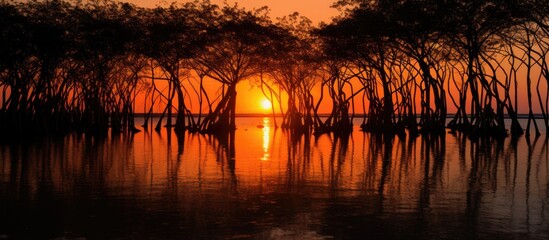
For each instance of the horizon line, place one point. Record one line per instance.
(356, 115)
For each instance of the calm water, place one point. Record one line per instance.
(158, 186)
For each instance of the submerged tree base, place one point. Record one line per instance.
(391, 130)
(477, 132)
(338, 129)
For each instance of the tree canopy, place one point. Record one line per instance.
(74, 66)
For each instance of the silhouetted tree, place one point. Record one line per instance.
(365, 38)
(175, 35)
(233, 55)
(472, 29)
(293, 68)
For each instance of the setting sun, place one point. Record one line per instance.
(266, 104)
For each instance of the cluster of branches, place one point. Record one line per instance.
(412, 56)
(69, 66)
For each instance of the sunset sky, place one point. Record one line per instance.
(316, 10)
(250, 99)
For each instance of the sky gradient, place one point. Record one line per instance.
(315, 10)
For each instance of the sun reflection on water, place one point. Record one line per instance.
(266, 139)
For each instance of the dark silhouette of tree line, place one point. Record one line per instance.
(412, 56)
(84, 67)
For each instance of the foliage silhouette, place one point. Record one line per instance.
(84, 67)
(458, 42)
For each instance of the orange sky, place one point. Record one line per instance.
(316, 10)
(250, 97)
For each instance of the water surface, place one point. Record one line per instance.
(272, 185)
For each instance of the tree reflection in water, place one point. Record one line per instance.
(264, 182)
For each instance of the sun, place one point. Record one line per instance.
(266, 104)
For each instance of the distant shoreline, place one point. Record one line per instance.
(244, 115)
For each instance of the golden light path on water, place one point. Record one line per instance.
(266, 139)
